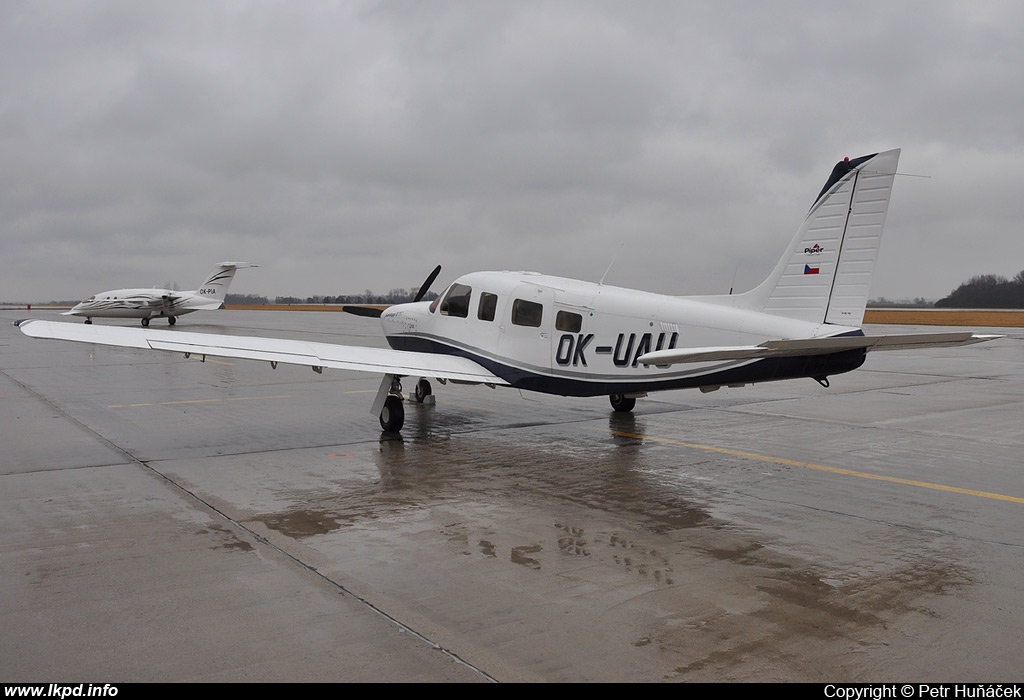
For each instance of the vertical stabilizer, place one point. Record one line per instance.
(215, 286)
(825, 275)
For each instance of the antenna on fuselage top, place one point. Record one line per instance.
(616, 257)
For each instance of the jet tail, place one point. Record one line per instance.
(825, 275)
(215, 285)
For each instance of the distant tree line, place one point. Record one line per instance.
(395, 296)
(882, 302)
(245, 299)
(987, 292)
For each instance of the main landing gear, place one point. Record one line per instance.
(392, 416)
(392, 412)
(171, 320)
(622, 403)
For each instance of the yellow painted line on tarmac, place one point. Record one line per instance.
(196, 401)
(821, 467)
(176, 403)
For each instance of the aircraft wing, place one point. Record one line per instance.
(296, 352)
(813, 346)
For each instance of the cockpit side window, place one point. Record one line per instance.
(527, 313)
(568, 321)
(488, 305)
(456, 301)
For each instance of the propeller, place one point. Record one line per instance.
(375, 313)
(426, 285)
(362, 311)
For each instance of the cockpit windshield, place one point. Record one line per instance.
(456, 301)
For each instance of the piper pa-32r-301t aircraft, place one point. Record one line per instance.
(147, 303)
(560, 336)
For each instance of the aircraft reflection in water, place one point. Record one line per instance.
(561, 336)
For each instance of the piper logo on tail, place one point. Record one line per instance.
(814, 250)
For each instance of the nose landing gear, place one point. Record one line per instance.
(423, 392)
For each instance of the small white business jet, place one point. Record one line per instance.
(560, 336)
(147, 303)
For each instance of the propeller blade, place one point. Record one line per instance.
(363, 311)
(359, 310)
(426, 285)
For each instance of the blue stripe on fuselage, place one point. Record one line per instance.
(764, 370)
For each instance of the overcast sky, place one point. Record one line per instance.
(347, 146)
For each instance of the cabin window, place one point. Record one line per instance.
(456, 301)
(488, 305)
(527, 313)
(568, 321)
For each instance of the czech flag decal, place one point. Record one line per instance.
(808, 270)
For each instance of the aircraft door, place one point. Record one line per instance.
(526, 329)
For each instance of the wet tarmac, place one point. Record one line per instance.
(165, 519)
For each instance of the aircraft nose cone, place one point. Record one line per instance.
(401, 318)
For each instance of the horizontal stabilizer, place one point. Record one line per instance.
(813, 346)
(296, 352)
(237, 265)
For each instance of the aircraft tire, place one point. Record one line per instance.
(622, 404)
(171, 320)
(145, 323)
(423, 390)
(88, 321)
(392, 416)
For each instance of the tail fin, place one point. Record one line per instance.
(825, 275)
(215, 286)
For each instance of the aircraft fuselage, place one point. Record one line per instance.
(575, 338)
(138, 303)
(146, 303)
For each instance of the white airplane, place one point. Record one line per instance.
(147, 303)
(561, 336)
